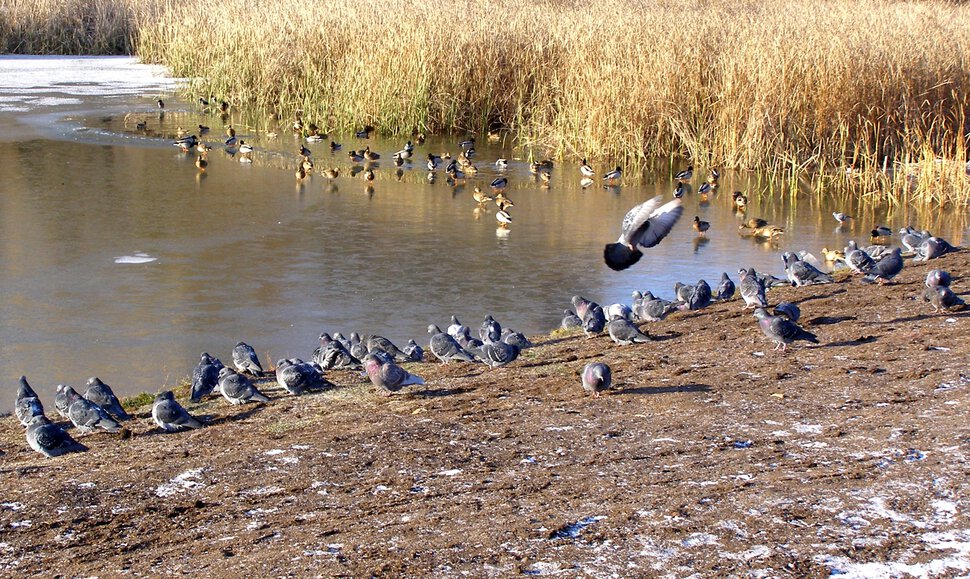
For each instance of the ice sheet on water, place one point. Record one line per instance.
(136, 258)
(572, 530)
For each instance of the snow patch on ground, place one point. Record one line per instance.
(187, 481)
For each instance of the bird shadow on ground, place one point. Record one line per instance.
(554, 341)
(829, 320)
(821, 296)
(232, 417)
(665, 337)
(857, 342)
(665, 389)
(920, 317)
(439, 392)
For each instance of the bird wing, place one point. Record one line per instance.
(650, 227)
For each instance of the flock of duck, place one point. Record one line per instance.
(644, 226)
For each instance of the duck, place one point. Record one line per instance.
(833, 255)
(230, 132)
(245, 148)
(679, 191)
(456, 174)
(467, 143)
(706, 188)
(880, 231)
(433, 161)
(161, 103)
(499, 183)
(355, 157)
(307, 164)
(202, 148)
(701, 227)
(501, 164)
(503, 218)
(613, 176)
(685, 175)
(369, 175)
(713, 176)
(187, 143)
(419, 138)
(231, 142)
(586, 170)
(331, 173)
(223, 106)
(304, 152)
(203, 129)
(201, 163)
(753, 223)
(141, 126)
(300, 173)
(502, 201)
(767, 232)
(740, 200)
(370, 155)
(545, 177)
(364, 133)
(334, 146)
(481, 197)
(841, 217)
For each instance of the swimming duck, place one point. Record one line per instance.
(203, 129)
(613, 175)
(545, 177)
(701, 227)
(713, 176)
(586, 170)
(419, 138)
(355, 156)
(706, 188)
(369, 175)
(685, 175)
(467, 143)
(304, 152)
(364, 133)
(433, 162)
(456, 174)
(881, 231)
(230, 132)
(501, 164)
(161, 103)
(502, 201)
(740, 200)
(334, 146)
(370, 155)
(245, 148)
(232, 142)
(300, 173)
(679, 191)
(499, 183)
(186, 143)
(753, 223)
(202, 148)
(141, 126)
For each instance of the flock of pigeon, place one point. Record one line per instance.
(644, 226)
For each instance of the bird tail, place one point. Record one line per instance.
(412, 379)
(259, 397)
(804, 335)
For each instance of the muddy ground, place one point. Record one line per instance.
(712, 455)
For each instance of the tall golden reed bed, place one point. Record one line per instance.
(876, 86)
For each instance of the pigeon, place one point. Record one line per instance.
(624, 333)
(886, 269)
(466, 340)
(943, 299)
(583, 306)
(683, 292)
(841, 217)
(911, 239)
(414, 351)
(445, 348)
(644, 225)
(339, 337)
(388, 377)
(382, 343)
(932, 248)
(725, 289)
(205, 378)
(938, 277)
(752, 289)
(858, 260)
(169, 414)
(615, 311)
(700, 298)
(358, 349)
(596, 378)
(101, 394)
(491, 331)
(497, 354)
(50, 439)
(455, 327)
(789, 310)
(28, 403)
(297, 377)
(245, 360)
(88, 416)
(516, 339)
(61, 400)
(570, 321)
(782, 330)
(801, 273)
(653, 309)
(332, 355)
(238, 389)
(595, 322)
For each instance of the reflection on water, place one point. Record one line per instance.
(121, 259)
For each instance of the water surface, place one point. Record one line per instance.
(120, 259)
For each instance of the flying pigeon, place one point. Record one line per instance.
(644, 225)
(388, 377)
(169, 414)
(102, 395)
(238, 389)
(28, 403)
(782, 330)
(50, 439)
(596, 378)
(245, 360)
(88, 416)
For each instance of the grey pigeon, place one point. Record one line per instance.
(615, 311)
(332, 355)
(781, 330)
(725, 289)
(595, 322)
(455, 327)
(50, 439)
(102, 395)
(938, 277)
(88, 416)
(583, 306)
(382, 343)
(624, 333)
(245, 360)
(683, 291)
(497, 354)
(910, 238)
(752, 289)
(61, 400)
(205, 378)
(358, 349)
(858, 260)
(597, 378)
(886, 268)
(653, 309)
(445, 348)
(789, 310)
(491, 331)
(943, 299)
(388, 377)
(28, 403)
(516, 339)
(466, 341)
(342, 340)
(169, 414)
(637, 296)
(802, 273)
(414, 351)
(645, 225)
(932, 248)
(297, 377)
(570, 321)
(700, 297)
(238, 389)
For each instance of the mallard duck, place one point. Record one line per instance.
(685, 175)
(203, 129)
(186, 143)
(223, 106)
(881, 231)
(419, 138)
(706, 188)
(369, 175)
(456, 174)
(740, 200)
(201, 163)
(613, 176)
(355, 157)
(494, 136)
(467, 143)
(701, 227)
(481, 197)
(679, 191)
(503, 218)
(202, 102)
(841, 217)
(300, 173)
(307, 164)
(767, 232)
(230, 132)
(753, 223)
(545, 177)
(245, 148)
(141, 126)
(161, 103)
(304, 152)
(586, 170)
(202, 148)
(232, 142)
(499, 183)
(501, 164)
(364, 133)
(502, 201)
(832, 254)
(370, 155)
(331, 173)
(713, 176)
(334, 146)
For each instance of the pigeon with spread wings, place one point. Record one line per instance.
(644, 225)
